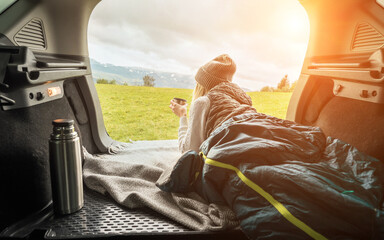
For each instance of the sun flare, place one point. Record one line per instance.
(295, 24)
(292, 21)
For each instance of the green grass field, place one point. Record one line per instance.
(142, 113)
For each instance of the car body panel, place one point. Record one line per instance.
(341, 86)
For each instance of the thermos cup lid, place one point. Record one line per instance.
(62, 122)
(180, 99)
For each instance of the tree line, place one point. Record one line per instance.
(282, 86)
(148, 81)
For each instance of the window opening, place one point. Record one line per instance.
(163, 43)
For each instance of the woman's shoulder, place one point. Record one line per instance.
(201, 102)
(201, 106)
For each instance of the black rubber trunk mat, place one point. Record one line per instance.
(101, 216)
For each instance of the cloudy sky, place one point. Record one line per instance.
(266, 38)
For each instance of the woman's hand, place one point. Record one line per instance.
(177, 109)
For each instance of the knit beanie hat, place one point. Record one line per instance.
(218, 70)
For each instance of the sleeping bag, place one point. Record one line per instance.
(284, 180)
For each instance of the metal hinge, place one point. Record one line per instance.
(4, 101)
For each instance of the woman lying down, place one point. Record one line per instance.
(282, 179)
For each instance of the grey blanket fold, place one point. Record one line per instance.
(129, 176)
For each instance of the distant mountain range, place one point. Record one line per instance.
(133, 76)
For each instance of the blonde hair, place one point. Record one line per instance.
(198, 91)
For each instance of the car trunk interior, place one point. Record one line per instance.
(43, 45)
(341, 84)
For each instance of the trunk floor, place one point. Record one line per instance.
(101, 216)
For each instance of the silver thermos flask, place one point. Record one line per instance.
(66, 170)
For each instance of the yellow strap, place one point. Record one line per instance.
(280, 207)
